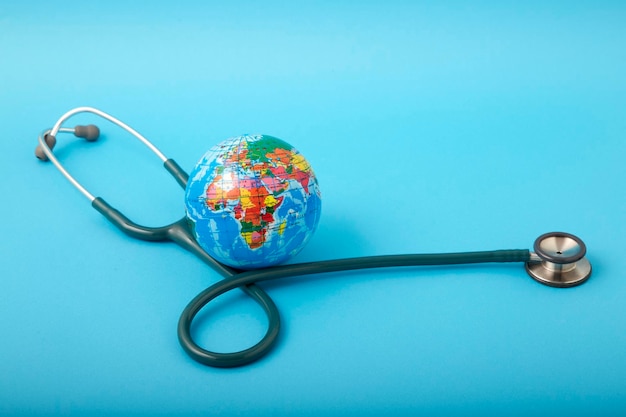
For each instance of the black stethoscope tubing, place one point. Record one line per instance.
(179, 233)
(248, 279)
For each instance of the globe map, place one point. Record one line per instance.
(253, 201)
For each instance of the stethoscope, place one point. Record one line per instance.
(558, 259)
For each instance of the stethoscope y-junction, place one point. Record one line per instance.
(558, 259)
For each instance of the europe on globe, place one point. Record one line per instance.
(253, 201)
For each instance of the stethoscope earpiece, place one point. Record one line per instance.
(90, 133)
(51, 141)
(559, 260)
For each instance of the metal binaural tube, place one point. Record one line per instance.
(139, 136)
(89, 135)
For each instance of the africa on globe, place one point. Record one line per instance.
(253, 201)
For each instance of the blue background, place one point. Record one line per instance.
(432, 126)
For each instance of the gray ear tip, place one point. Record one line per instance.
(50, 141)
(39, 154)
(89, 132)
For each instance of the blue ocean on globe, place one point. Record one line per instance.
(253, 201)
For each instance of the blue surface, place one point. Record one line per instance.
(431, 127)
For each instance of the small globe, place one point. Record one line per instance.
(253, 201)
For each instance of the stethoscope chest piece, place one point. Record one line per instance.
(560, 260)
